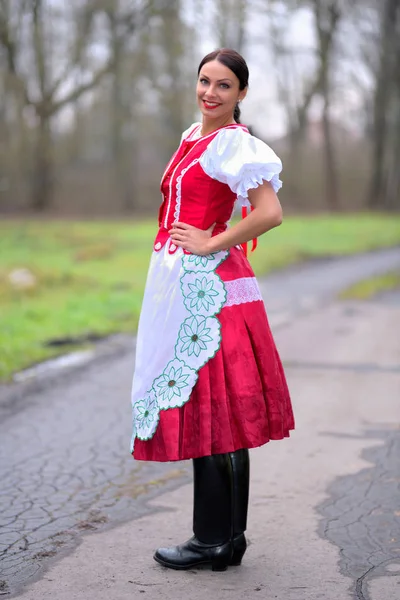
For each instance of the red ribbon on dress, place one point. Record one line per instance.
(244, 245)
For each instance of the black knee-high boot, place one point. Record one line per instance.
(241, 476)
(212, 518)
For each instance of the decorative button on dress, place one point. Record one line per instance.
(208, 378)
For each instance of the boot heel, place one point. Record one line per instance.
(218, 564)
(236, 559)
(239, 548)
(222, 558)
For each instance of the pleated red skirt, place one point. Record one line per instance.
(241, 398)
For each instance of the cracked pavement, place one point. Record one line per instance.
(362, 514)
(65, 467)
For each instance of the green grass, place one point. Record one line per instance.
(90, 276)
(367, 288)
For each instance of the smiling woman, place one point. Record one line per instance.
(208, 382)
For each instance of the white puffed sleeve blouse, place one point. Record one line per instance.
(240, 160)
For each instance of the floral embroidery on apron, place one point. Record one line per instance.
(199, 339)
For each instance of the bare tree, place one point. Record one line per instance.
(327, 15)
(384, 181)
(171, 72)
(231, 23)
(125, 22)
(43, 87)
(392, 195)
(95, 93)
(39, 87)
(297, 92)
(171, 82)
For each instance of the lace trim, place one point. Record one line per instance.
(241, 291)
(179, 188)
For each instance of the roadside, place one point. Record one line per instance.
(381, 284)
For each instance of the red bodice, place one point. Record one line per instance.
(190, 195)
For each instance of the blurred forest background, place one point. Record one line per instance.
(94, 95)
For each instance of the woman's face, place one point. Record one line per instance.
(218, 90)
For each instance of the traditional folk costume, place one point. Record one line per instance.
(208, 382)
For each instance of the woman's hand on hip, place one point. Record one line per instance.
(192, 239)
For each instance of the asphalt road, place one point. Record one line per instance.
(65, 467)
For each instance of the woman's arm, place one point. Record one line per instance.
(266, 215)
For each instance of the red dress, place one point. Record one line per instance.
(208, 378)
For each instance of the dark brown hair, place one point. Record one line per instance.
(236, 63)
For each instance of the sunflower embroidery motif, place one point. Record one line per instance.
(146, 415)
(173, 386)
(203, 293)
(199, 339)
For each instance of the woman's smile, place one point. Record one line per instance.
(210, 105)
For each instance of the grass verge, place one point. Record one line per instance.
(63, 282)
(368, 288)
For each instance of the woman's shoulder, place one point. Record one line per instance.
(238, 144)
(190, 130)
(241, 139)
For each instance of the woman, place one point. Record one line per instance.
(208, 382)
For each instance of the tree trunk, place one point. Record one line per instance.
(331, 173)
(240, 22)
(299, 124)
(122, 174)
(327, 19)
(392, 188)
(381, 105)
(173, 97)
(392, 195)
(42, 184)
(231, 23)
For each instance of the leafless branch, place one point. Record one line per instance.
(76, 93)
